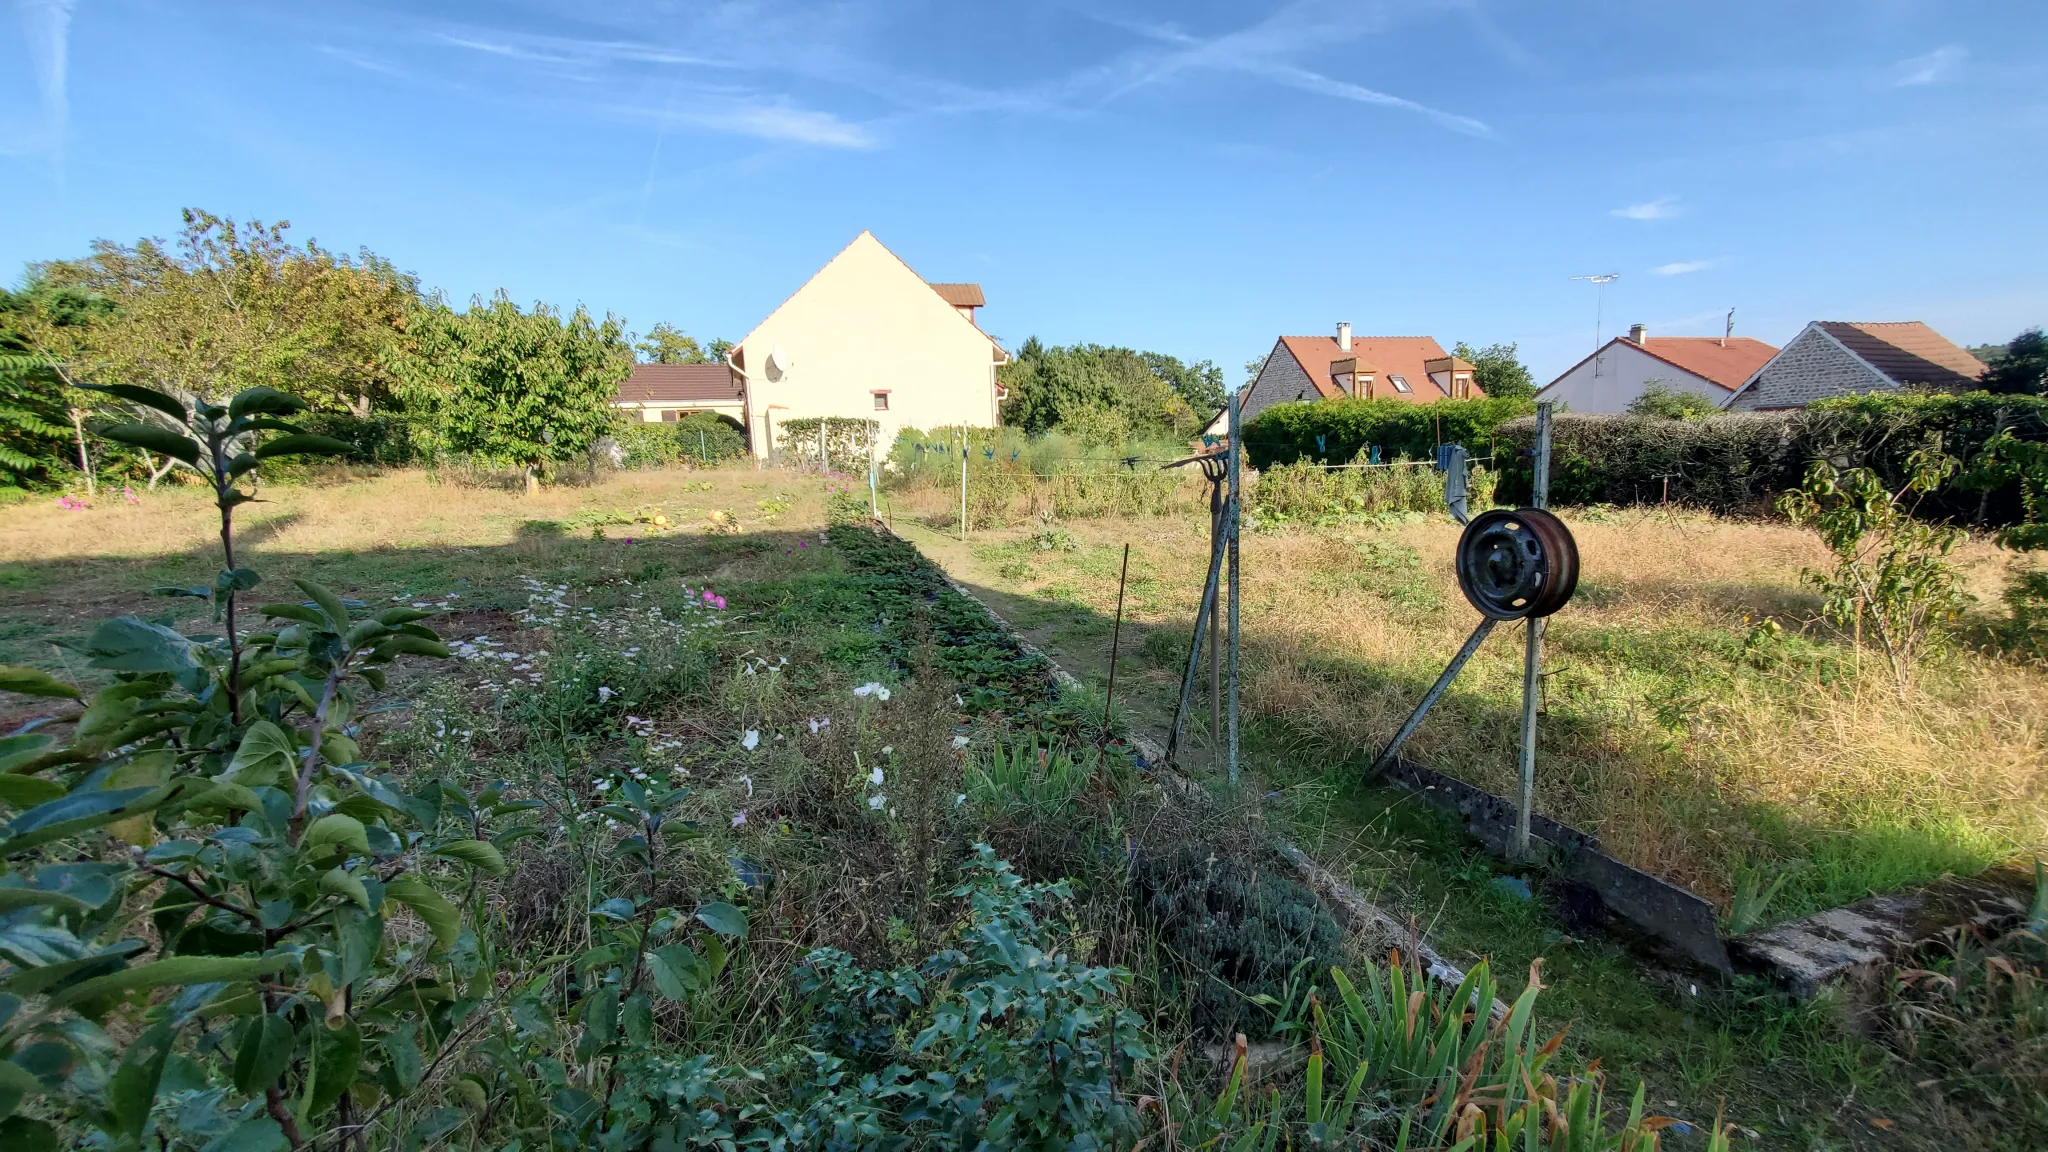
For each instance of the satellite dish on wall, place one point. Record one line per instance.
(778, 364)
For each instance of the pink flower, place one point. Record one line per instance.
(130, 494)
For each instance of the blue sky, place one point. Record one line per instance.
(1189, 177)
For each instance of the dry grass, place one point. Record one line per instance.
(407, 509)
(1690, 754)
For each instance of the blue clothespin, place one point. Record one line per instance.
(1013, 454)
(988, 453)
(1321, 448)
(1208, 441)
(1372, 455)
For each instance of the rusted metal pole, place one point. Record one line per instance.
(1532, 656)
(1115, 638)
(1435, 693)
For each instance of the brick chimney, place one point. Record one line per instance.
(1344, 335)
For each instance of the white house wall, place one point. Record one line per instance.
(866, 322)
(1617, 376)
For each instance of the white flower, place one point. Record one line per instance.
(959, 741)
(739, 818)
(881, 692)
(875, 802)
(875, 774)
(866, 689)
(749, 782)
(604, 785)
(886, 749)
(892, 813)
(825, 722)
(959, 799)
(604, 694)
(751, 740)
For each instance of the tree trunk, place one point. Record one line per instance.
(84, 458)
(532, 481)
(361, 408)
(156, 473)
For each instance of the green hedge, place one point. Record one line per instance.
(1287, 433)
(1740, 462)
(693, 438)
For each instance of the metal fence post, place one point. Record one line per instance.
(1532, 657)
(1233, 514)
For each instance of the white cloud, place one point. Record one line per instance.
(1662, 208)
(1930, 68)
(46, 26)
(1260, 50)
(1681, 267)
(781, 122)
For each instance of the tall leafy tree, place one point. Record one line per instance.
(2023, 368)
(233, 306)
(1107, 394)
(1498, 371)
(43, 332)
(667, 344)
(528, 389)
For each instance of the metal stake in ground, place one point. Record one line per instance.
(1115, 638)
(1233, 515)
(1532, 657)
(963, 485)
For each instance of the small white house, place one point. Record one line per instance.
(1614, 376)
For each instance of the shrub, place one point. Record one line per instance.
(1240, 932)
(1305, 491)
(1741, 461)
(1338, 430)
(695, 437)
(844, 439)
(1891, 571)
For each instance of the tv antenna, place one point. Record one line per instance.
(1601, 280)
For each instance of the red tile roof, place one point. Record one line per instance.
(962, 295)
(1704, 356)
(679, 384)
(1909, 352)
(1402, 356)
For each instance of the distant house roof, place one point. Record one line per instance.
(1405, 356)
(679, 384)
(962, 295)
(1908, 352)
(1704, 356)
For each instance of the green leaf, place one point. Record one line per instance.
(330, 604)
(178, 970)
(77, 812)
(335, 828)
(235, 580)
(265, 753)
(303, 444)
(476, 853)
(261, 400)
(35, 682)
(21, 1134)
(16, 898)
(337, 1054)
(415, 893)
(147, 397)
(132, 1088)
(723, 918)
(256, 1134)
(337, 882)
(403, 645)
(15, 1083)
(298, 612)
(18, 750)
(263, 1047)
(19, 791)
(127, 644)
(674, 969)
(393, 617)
(154, 439)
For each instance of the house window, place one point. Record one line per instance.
(881, 401)
(670, 415)
(1400, 383)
